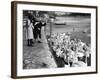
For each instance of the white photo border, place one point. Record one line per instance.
(54, 71)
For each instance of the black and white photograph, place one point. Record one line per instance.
(53, 39)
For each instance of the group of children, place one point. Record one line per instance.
(72, 51)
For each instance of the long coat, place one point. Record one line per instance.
(29, 30)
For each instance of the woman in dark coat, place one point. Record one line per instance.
(37, 30)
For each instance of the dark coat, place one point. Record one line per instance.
(38, 25)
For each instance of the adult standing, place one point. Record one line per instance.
(29, 33)
(37, 30)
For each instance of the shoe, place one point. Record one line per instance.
(39, 42)
(31, 45)
(32, 42)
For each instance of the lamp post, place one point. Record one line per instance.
(51, 24)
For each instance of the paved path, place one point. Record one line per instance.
(38, 56)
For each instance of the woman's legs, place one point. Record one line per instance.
(35, 35)
(30, 42)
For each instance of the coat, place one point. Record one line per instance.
(29, 31)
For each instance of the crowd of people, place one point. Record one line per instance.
(33, 30)
(74, 52)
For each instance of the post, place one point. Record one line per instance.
(51, 23)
